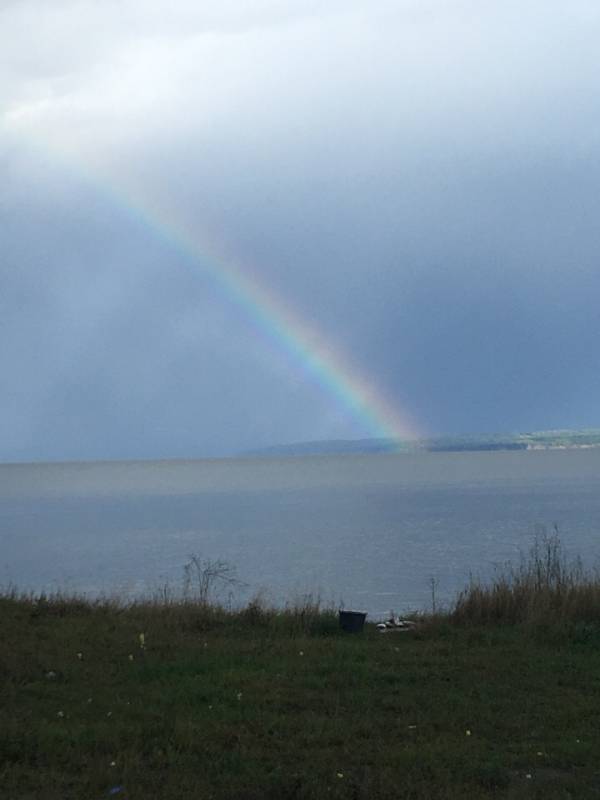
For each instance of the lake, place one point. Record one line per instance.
(366, 531)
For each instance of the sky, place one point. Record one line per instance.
(229, 225)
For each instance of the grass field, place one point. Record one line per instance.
(271, 704)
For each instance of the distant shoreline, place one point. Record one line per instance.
(538, 440)
(588, 439)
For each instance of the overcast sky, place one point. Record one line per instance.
(417, 180)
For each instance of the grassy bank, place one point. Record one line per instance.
(266, 704)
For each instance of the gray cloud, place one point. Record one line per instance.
(416, 180)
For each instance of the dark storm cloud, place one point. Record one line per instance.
(114, 344)
(418, 181)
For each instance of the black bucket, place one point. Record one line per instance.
(352, 621)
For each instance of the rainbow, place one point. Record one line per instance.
(307, 350)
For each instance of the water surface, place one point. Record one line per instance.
(369, 531)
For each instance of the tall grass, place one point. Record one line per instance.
(188, 615)
(545, 588)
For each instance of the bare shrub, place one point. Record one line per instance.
(203, 578)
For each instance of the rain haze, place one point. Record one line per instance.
(208, 207)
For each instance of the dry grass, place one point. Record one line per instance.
(545, 588)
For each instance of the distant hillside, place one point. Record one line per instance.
(537, 440)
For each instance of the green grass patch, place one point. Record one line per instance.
(281, 704)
